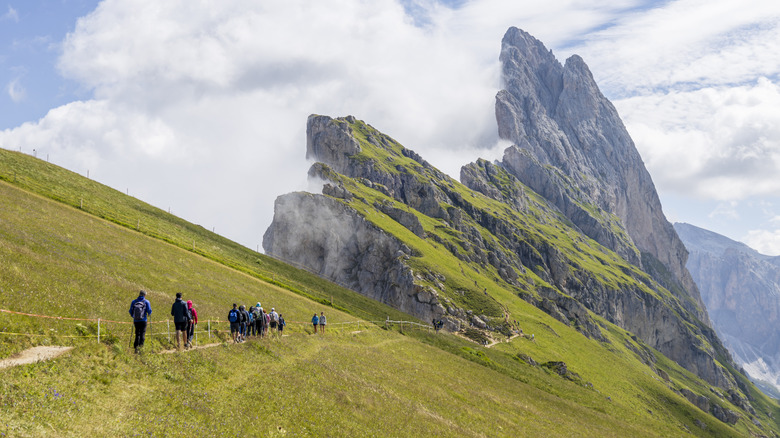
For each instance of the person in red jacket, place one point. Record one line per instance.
(193, 322)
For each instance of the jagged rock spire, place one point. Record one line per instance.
(556, 116)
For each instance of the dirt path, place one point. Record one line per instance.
(32, 355)
(197, 347)
(500, 341)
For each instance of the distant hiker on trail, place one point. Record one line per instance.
(281, 324)
(267, 322)
(139, 309)
(274, 318)
(250, 324)
(242, 313)
(315, 321)
(234, 318)
(260, 320)
(323, 322)
(193, 322)
(253, 320)
(181, 319)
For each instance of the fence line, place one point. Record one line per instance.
(167, 332)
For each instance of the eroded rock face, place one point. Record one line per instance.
(334, 241)
(741, 289)
(567, 154)
(558, 115)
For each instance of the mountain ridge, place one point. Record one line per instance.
(741, 289)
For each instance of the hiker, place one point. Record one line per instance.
(315, 321)
(139, 309)
(250, 322)
(323, 321)
(253, 323)
(281, 324)
(243, 318)
(267, 317)
(193, 322)
(234, 319)
(274, 318)
(259, 320)
(181, 319)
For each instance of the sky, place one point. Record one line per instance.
(200, 107)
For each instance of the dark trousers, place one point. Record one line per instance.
(140, 333)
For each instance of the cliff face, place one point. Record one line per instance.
(741, 289)
(336, 242)
(512, 235)
(569, 221)
(572, 148)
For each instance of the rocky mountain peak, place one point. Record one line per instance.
(580, 156)
(330, 142)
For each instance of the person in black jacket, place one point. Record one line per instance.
(244, 320)
(181, 319)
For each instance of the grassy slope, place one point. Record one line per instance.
(55, 259)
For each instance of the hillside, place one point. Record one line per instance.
(741, 289)
(64, 261)
(568, 223)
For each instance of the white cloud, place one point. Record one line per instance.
(16, 90)
(11, 14)
(716, 143)
(203, 105)
(684, 45)
(764, 241)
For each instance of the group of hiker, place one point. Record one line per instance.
(320, 321)
(185, 318)
(254, 321)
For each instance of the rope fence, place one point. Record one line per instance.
(211, 326)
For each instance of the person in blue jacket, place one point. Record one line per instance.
(315, 321)
(140, 308)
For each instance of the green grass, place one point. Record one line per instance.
(98, 200)
(59, 260)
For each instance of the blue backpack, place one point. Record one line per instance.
(233, 315)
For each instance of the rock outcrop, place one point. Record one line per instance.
(569, 221)
(741, 289)
(572, 148)
(335, 242)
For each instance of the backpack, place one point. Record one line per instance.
(233, 315)
(139, 310)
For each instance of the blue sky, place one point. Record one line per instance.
(30, 34)
(201, 107)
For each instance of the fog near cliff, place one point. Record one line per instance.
(201, 107)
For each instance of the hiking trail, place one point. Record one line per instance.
(34, 354)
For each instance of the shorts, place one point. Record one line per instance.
(181, 326)
(273, 324)
(233, 327)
